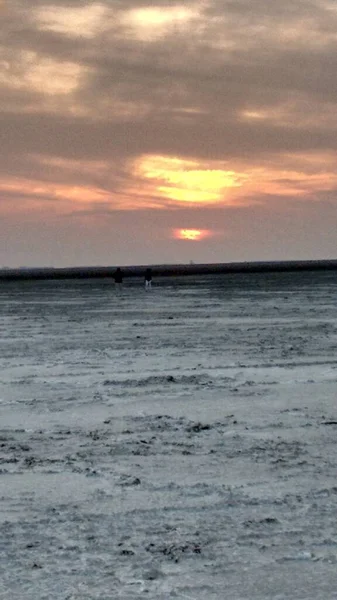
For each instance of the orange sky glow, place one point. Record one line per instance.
(197, 113)
(161, 181)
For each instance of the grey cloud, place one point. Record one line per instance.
(149, 72)
(266, 14)
(156, 82)
(204, 138)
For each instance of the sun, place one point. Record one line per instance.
(194, 235)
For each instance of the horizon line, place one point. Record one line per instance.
(165, 270)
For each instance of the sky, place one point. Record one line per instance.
(167, 132)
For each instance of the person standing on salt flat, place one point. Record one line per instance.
(148, 278)
(118, 277)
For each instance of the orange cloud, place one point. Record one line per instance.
(163, 180)
(183, 180)
(36, 194)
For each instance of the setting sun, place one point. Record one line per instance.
(194, 235)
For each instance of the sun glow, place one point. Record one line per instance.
(187, 180)
(194, 235)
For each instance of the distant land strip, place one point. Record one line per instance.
(26, 273)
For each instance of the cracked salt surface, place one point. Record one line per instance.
(179, 443)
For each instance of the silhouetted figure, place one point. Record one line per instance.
(118, 277)
(148, 279)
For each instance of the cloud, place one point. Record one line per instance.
(78, 21)
(234, 100)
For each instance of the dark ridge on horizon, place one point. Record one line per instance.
(174, 270)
